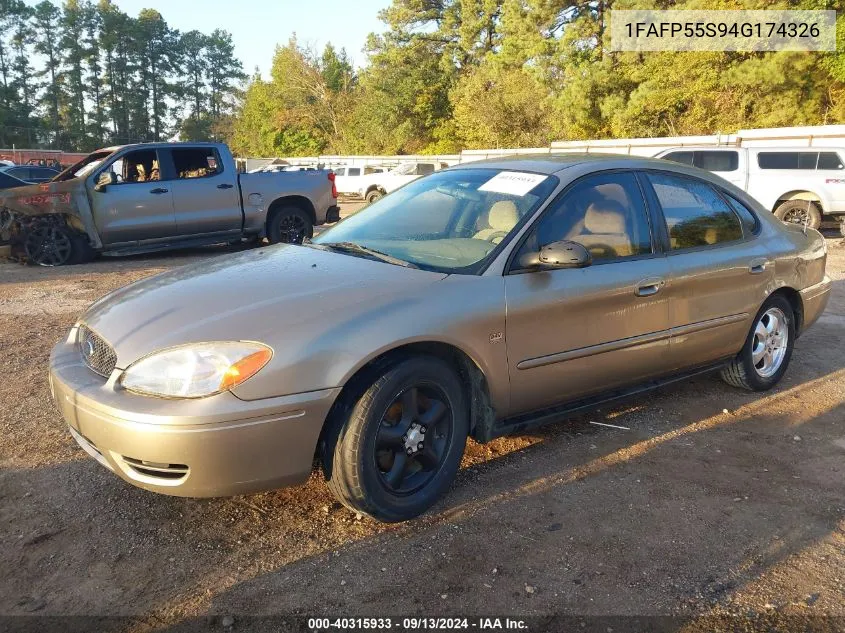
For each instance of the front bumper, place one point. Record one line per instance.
(211, 447)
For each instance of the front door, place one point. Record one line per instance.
(575, 332)
(719, 271)
(206, 197)
(139, 206)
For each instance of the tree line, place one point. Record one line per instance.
(452, 74)
(81, 75)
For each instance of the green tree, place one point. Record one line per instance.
(47, 43)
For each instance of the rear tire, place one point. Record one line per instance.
(799, 211)
(767, 350)
(289, 225)
(401, 444)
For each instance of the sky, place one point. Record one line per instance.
(258, 25)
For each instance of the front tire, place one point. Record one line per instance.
(289, 225)
(48, 244)
(375, 194)
(800, 212)
(767, 350)
(401, 445)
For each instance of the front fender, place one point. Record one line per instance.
(465, 312)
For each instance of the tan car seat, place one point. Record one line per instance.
(501, 218)
(604, 226)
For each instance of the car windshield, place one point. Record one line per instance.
(451, 221)
(404, 170)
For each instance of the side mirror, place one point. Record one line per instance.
(106, 178)
(563, 254)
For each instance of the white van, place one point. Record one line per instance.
(798, 184)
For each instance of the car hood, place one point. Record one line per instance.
(263, 295)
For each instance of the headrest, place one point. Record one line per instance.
(503, 215)
(607, 216)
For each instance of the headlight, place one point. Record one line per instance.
(196, 371)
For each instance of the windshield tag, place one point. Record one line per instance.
(516, 183)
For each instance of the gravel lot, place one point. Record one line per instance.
(714, 504)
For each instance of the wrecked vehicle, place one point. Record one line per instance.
(155, 196)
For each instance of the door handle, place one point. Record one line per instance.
(159, 190)
(225, 185)
(649, 287)
(757, 266)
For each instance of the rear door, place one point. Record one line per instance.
(574, 332)
(206, 198)
(719, 271)
(139, 206)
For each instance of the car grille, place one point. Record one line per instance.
(96, 353)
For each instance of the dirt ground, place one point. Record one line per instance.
(713, 503)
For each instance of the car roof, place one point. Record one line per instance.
(554, 163)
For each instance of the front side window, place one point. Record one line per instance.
(424, 169)
(354, 171)
(450, 221)
(196, 162)
(604, 213)
(135, 167)
(695, 214)
(685, 158)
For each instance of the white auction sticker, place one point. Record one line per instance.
(516, 183)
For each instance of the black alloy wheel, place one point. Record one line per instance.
(412, 438)
(48, 245)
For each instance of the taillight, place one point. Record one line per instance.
(334, 186)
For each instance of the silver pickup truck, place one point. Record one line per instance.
(154, 196)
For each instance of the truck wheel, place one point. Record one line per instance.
(799, 212)
(374, 195)
(56, 245)
(400, 446)
(289, 225)
(767, 350)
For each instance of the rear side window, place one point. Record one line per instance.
(424, 169)
(830, 160)
(695, 214)
(354, 171)
(799, 160)
(196, 162)
(749, 220)
(717, 161)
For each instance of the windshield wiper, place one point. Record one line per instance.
(352, 247)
